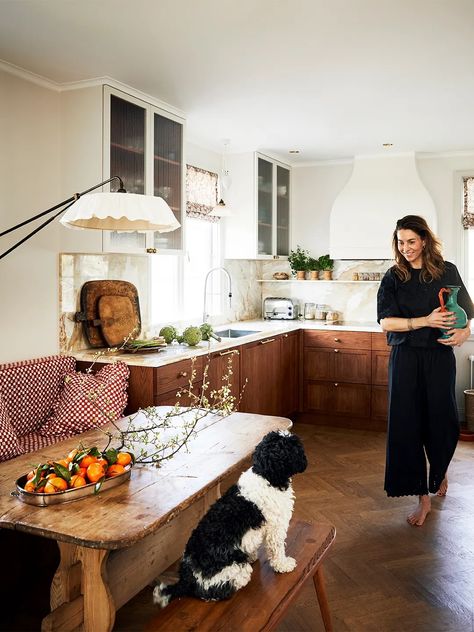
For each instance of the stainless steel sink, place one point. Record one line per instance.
(235, 333)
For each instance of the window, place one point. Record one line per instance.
(178, 282)
(468, 224)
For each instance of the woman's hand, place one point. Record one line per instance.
(441, 320)
(457, 337)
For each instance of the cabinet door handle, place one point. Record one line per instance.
(232, 351)
(336, 384)
(336, 350)
(337, 340)
(285, 335)
(265, 342)
(183, 374)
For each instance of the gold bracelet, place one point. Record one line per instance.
(409, 324)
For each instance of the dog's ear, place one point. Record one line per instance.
(278, 457)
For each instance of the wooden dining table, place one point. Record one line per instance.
(116, 542)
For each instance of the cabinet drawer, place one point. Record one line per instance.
(340, 339)
(176, 375)
(379, 342)
(338, 398)
(171, 398)
(345, 365)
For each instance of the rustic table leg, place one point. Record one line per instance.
(320, 586)
(99, 607)
(65, 598)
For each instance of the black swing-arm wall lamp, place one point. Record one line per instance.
(105, 211)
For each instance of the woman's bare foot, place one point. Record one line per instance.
(443, 488)
(417, 518)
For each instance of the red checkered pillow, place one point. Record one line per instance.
(87, 400)
(9, 444)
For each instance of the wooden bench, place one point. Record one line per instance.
(262, 604)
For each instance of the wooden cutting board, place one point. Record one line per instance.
(110, 311)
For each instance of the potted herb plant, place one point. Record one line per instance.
(326, 265)
(298, 260)
(313, 267)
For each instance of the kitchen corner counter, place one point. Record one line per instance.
(176, 352)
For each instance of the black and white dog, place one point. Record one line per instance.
(218, 556)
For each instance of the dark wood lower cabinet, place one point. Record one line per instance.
(290, 374)
(346, 399)
(220, 365)
(260, 377)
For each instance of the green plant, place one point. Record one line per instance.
(325, 263)
(313, 264)
(298, 259)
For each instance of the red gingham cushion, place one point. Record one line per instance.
(88, 400)
(30, 387)
(9, 444)
(35, 441)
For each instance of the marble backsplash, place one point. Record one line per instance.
(355, 301)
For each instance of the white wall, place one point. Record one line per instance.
(29, 183)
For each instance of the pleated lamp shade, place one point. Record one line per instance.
(120, 211)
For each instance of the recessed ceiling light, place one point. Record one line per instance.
(387, 145)
(294, 151)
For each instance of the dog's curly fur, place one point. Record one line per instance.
(218, 556)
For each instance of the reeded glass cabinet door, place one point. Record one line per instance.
(282, 211)
(264, 206)
(127, 160)
(167, 175)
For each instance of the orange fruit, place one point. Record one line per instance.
(40, 490)
(82, 472)
(30, 475)
(87, 460)
(78, 481)
(54, 485)
(103, 462)
(95, 471)
(63, 462)
(124, 458)
(115, 470)
(72, 454)
(29, 487)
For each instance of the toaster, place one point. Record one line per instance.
(275, 308)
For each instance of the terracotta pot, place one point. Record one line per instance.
(327, 275)
(300, 274)
(314, 275)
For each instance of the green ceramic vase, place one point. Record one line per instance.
(452, 305)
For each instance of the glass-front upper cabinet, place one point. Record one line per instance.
(144, 146)
(273, 208)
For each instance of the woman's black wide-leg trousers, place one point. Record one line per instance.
(422, 421)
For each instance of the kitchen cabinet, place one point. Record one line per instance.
(337, 378)
(380, 360)
(289, 369)
(260, 377)
(259, 198)
(144, 145)
(220, 363)
(106, 132)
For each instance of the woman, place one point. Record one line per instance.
(422, 369)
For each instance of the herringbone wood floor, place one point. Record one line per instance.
(382, 575)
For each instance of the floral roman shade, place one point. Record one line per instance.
(201, 193)
(468, 205)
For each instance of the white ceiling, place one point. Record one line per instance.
(333, 78)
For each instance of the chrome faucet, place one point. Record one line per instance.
(205, 314)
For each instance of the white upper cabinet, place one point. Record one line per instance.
(107, 132)
(144, 146)
(259, 200)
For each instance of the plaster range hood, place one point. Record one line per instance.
(381, 190)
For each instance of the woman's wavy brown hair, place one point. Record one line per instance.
(433, 262)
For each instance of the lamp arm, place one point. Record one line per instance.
(69, 202)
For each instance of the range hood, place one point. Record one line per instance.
(380, 190)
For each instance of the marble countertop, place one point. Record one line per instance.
(262, 328)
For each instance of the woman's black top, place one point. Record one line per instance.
(415, 298)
